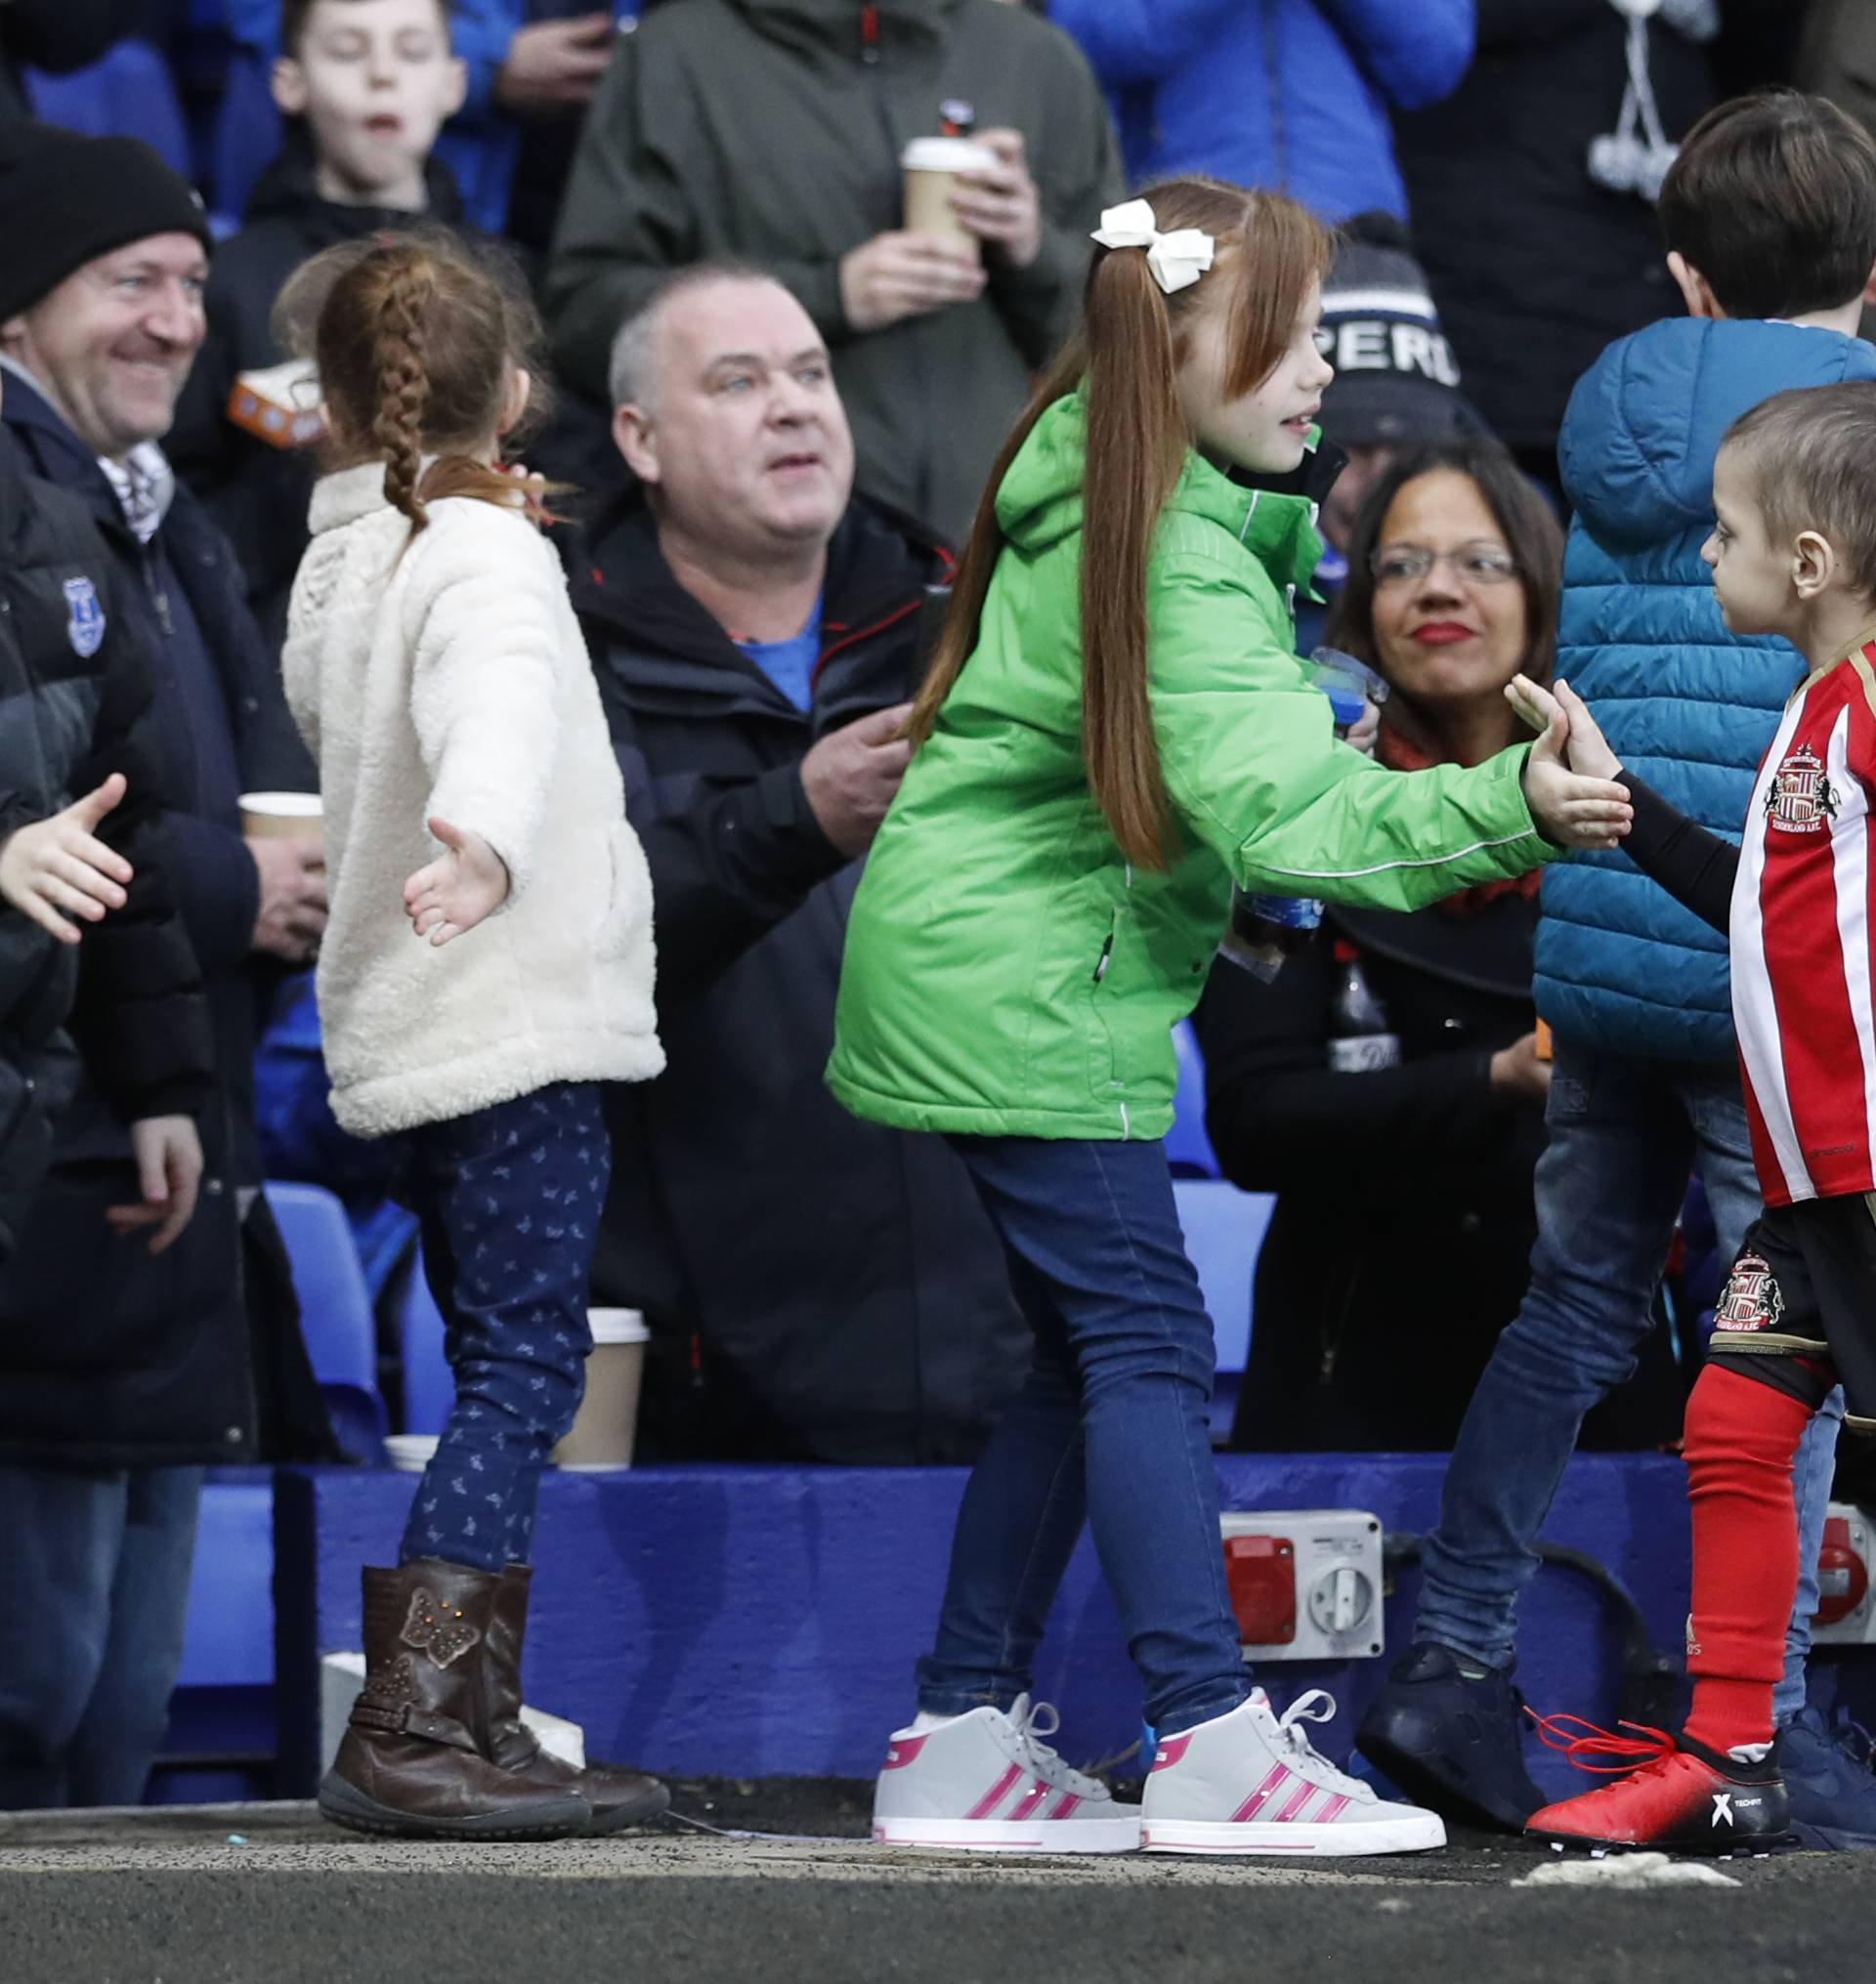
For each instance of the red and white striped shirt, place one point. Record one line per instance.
(1801, 932)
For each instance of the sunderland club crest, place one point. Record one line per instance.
(1752, 1300)
(1801, 798)
(84, 618)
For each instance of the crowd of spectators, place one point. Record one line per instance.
(705, 193)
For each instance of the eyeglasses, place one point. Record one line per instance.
(1471, 564)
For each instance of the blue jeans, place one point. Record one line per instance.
(94, 1587)
(1109, 1428)
(508, 1201)
(1624, 1135)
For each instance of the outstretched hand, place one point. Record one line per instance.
(57, 868)
(1570, 809)
(1588, 750)
(467, 883)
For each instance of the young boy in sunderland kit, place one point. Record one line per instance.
(366, 86)
(1769, 218)
(1793, 552)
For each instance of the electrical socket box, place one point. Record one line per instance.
(1305, 1585)
(1847, 1578)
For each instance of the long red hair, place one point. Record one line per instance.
(1269, 255)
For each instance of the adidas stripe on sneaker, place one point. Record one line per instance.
(987, 1782)
(1251, 1782)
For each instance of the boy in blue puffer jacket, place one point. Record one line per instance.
(1770, 216)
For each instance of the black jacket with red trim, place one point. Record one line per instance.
(819, 1288)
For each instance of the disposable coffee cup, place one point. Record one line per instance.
(931, 168)
(606, 1425)
(281, 816)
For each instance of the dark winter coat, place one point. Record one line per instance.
(1401, 1240)
(846, 1293)
(1535, 268)
(74, 709)
(106, 1357)
(259, 495)
(770, 131)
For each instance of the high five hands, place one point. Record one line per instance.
(1570, 776)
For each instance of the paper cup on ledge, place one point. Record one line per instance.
(604, 1430)
(281, 816)
(931, 167)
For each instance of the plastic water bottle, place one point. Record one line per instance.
(1362, 1034)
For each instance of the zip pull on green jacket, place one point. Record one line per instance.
(1007, 973)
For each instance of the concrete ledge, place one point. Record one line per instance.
(757, 1621)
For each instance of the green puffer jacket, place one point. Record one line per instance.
(1007, 973)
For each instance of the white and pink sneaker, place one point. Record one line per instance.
(1252, 1783)
(985, 1782)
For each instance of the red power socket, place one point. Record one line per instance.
(1260, 1574)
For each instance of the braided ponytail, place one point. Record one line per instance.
(417, 338)
(403, 388)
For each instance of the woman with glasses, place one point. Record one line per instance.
(1387, 1084)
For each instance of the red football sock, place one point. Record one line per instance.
(1741, 1438)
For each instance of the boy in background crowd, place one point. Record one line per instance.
(366, 85)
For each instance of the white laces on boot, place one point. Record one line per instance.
(1288, 1737)
(1026, 1718)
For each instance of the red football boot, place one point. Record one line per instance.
(1683, 1797)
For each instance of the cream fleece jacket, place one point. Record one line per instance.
(443, 674)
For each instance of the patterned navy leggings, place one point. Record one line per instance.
(509, 1200)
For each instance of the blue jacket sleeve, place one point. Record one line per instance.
(1414, 55)
(1138, 41)
(481, 31)
(254, 23)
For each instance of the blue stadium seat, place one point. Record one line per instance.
(1188, 1150)
(1225, 1231)
(127, 93)
(247, 131)
(335, 1309)
(429, 1386)
(228, 1641)
(221, 1735)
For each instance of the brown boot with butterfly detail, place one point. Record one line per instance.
(418, 1759)
(618, 1798)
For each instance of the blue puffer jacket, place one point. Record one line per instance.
(1620, 965)
(1289, 94)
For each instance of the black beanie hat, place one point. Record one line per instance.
(65, 200)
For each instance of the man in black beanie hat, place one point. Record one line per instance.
(120, 1375)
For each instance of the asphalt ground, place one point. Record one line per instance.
(268, 1894)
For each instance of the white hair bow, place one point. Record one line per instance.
(1176, 259)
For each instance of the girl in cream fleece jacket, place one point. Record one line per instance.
(486, 964)
(443, 684)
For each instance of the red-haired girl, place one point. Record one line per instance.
(1114, 733)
